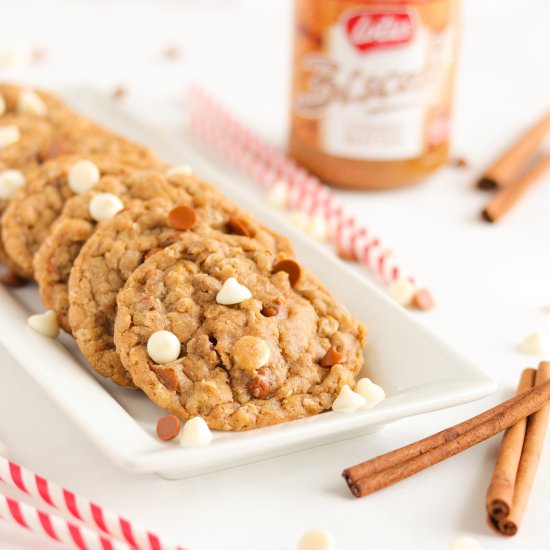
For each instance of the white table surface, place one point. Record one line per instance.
(492, 283)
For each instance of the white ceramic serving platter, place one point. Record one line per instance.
(419, 372)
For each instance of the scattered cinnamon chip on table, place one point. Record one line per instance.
(172, 52)
(423, 300)
(12, 280)
(119, 92)
(168, 427)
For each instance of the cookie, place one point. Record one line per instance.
(32, 102)
(280, 355)
(55, 257)
(33, 208)
(23, 142)
(120, 245)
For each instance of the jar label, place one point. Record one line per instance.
(379, 89)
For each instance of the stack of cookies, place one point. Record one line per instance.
(166, 285)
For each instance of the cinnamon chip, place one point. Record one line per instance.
(347, 254)
(423, 300)
(332, 357)
(151, 252)
(12, 280)
(119, 92)
(182, 217)
(237, 226)
(269, 311)
(168, 377)
(56, 150)
(259, 386)
(291, 267)
(168, 427)
(171, 52)
(52, 270)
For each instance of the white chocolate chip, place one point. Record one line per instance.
(10, 182)
(299, 220)
(534, 344)
(30, 103)
(3, 449)
(105, 206)
(465, 543)
(278, 195)
(319, 539)
(83, 175)
(196, 433)
(163, 346)
(9, 135)
(180, 170)
(317, 228)
(232, 292)
(18, 57)
(45, 323)
(348, 400)
(2, 105)
(402, 291)
(250, 353)
(372, 392)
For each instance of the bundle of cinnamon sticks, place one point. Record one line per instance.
(516, 170)
(525, 418)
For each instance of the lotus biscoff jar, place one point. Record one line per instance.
(372, 89)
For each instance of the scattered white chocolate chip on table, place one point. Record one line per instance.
(278, 195)
(299, 219)
(465, 543)
(250, 353)
(163, 346)
(372, 392)
(2, 105)
(402, 291)
(348, 400)
(196, 433)
(180, 170)
(534, 344)
(105, 206)
(9, 135)
(317, 228)
(10, 181)
(45, 323)
(83, 175)
(30, 103)
(318, 539)
(232, 292)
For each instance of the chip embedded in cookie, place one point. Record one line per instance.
(238, 368)
(121, 244)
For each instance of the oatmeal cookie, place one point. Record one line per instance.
(55, 257)
(282, 354)
(120, 245)
(23, 142)
(33, 208)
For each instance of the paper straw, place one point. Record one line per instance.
(55, 527)
(214, 125)
(80, 508)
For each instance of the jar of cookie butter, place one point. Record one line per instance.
(372, 89)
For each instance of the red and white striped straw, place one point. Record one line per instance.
(80, 508)
(220, 130)
(55, 527)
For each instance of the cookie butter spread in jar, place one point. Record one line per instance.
(372, 89)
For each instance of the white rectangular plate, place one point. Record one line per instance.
(419, 372)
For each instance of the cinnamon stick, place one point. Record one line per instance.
(528, 464)
(418, 448)
(508, 166)
(501, 488)
(500, 418)
(503, 201)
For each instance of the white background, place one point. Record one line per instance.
(492, 283)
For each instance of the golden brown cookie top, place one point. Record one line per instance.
(238, 368)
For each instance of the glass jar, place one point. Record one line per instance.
(372, 89)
